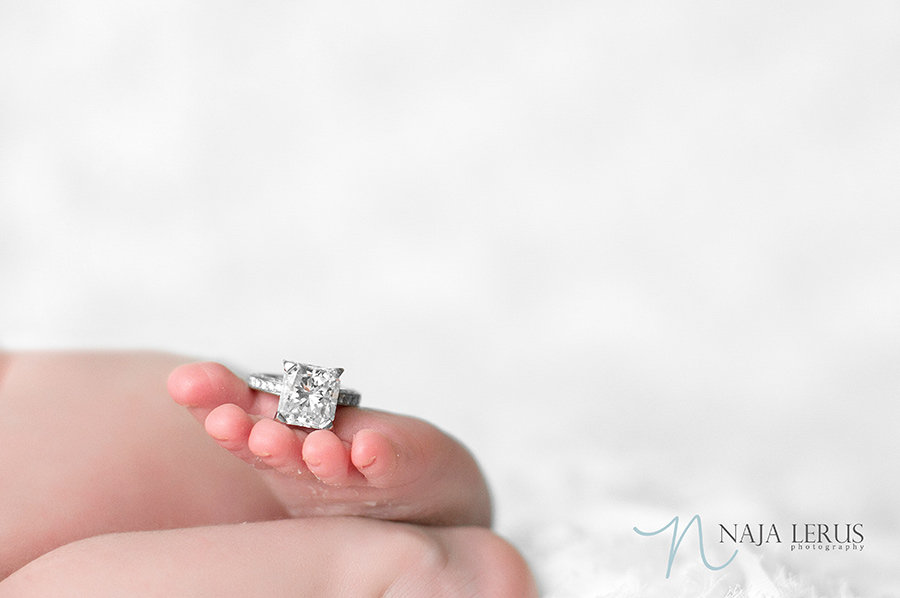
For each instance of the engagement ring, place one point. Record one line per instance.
(308, 395)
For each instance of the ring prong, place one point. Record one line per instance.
(290, 366)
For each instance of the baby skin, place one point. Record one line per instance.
(109, 488)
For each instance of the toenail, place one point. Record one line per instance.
(371, 461)
(312, 462)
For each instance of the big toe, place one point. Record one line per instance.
(201, 387)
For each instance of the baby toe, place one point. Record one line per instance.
(375, 456)
(207, 385)
(328, 458)
(230, 426)
(277, 446)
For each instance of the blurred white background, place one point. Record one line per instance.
(644, 259)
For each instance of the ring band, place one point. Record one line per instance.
(308, 395)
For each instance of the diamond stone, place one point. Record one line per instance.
(309, 395)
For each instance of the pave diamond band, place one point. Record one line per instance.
(308, 395)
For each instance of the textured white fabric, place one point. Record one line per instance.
(643, 258)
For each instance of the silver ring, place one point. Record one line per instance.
(308, 395)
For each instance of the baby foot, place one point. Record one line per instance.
(371, 463)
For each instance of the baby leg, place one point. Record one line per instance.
(320, 557)
(90, 443)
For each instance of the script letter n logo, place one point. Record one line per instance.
(676, 542)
